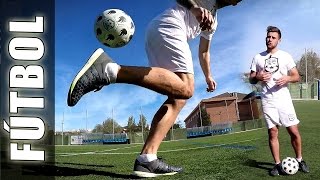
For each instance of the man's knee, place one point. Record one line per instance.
(293, 131)
(273, 133)
(189, 92)
(180, 102)
(185, 92)
(177, 103)
(188, 88)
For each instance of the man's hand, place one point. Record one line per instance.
(212, 85)
(263, 76)
(204, 17)
(283, 80)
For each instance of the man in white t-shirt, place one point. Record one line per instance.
(275, 68)
(170, 72)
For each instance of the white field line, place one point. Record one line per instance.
(245, 131)
(107, 150)
(173, 150)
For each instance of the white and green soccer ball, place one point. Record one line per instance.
(290, 165)
(114, 28)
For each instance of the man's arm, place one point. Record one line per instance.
(291, 78)
(204, 58)
(252, 78)
(294, 75)
(255, 77)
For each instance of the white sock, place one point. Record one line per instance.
(112, 71)
(146, 157)
(299, 159)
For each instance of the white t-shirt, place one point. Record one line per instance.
(278, 64)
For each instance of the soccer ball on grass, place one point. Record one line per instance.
(114, 28)
(290, 165)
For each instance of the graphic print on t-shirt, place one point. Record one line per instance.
(271, 65)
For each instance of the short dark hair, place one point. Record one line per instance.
(274, 29)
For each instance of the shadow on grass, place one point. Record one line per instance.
(261, 165)
(89, 165)
(51, 170)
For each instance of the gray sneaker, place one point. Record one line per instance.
(276, 170)
(91, 77)
(303, 166)
(154, 168)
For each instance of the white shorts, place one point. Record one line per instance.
(167, 47)
(279, 113)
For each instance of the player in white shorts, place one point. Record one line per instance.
(167, 38)
(170, 72)
(275, 68)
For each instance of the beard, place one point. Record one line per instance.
(271, 45)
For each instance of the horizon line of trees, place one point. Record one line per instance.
(110, 126)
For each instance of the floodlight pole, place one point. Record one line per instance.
(172, 138)
(112, 125)
(141, 124)
(305, 58)
(62, 128)
(86, 120)
(200, 115)
(318, 85)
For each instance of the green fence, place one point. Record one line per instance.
(175, 134)
(247, 125)
(62, 141)
(138, 137)
(303, 90)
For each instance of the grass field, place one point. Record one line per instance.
(243, 155)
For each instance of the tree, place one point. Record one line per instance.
(131, 124)
(82, 131)
(142, 123)
(205, 117)
(108, 126)
(98, 128)
(253, 87)
(177, 125)
(313, 66)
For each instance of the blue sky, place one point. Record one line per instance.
(240, 35)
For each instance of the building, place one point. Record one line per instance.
(226, 107)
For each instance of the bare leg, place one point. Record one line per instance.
(100, 71)
(157, 79)
(295, 140)
(161, 123)
(274, 144)
(165, 117)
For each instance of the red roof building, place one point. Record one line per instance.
(226, 107)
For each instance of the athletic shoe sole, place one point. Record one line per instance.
(89, 63)
(149, 175)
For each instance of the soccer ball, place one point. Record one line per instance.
(290, 165)
(114, 28)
